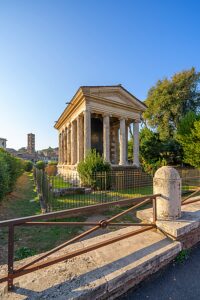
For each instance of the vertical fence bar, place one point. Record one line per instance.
(10, 256)
(154, 211)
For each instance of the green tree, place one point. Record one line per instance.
(171, 99)
(188, 135)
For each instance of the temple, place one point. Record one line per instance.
(98, 118)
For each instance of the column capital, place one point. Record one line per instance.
(136, 121)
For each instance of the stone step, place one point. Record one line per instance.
(104, 273)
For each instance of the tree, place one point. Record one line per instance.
(170, 99)
(188, 136)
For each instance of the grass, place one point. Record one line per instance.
(58, 182)
(30, 240)
(77, 200)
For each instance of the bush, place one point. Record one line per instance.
(40, 165)
(10, 168)
(93, 163)
(28, 166)
(51, 169)
(52, 163)
(4, 177)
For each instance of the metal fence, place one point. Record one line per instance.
(63, 192)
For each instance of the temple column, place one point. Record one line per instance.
(122, 142)
(80, 149)
(65, 146)
(59, 147)
(68, 145)
(73, 143)
(87, 131)
(136, 144)
(106, 138)
(116, 130)
(126, 142)
(62, 147)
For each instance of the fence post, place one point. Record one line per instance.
(10, 255)
(167, 182)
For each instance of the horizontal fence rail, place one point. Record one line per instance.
(43, 220)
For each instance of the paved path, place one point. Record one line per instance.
(179, 281)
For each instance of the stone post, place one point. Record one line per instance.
(136, 144)
(80, 149)
(122, 142)
(87, 131)
(106, 138)
(167, 182)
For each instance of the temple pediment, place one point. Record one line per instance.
(114, 94)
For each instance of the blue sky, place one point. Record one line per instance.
(49, 48)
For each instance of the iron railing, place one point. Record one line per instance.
(43, 220)
(65, 192)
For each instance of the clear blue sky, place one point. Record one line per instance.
(49, 48)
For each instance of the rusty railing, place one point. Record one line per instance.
(43, 220)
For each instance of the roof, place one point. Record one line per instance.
(81, 88)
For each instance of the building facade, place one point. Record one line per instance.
(3, 143)
(31, 143)
(98, 118)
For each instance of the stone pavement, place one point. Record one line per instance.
(101, 274)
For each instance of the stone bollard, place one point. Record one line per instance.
(167, 182)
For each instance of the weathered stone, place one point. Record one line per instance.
(104, 273)
(167, 182)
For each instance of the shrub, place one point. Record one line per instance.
(24, 252)
(51, 169)
(40, 165)
(93, 163)
(11, 169)
(4, 177)
(28, 166)
(52, 163)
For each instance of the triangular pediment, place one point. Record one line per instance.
(115, 94)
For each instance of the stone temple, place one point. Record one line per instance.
(98, 118)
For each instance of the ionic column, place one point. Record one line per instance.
(80, 149)
(60, 149)
(73, 143)
(122, 142)
(136, 144)
(116, 145)
(87, 131)
(65, 146)
(106, 138)
(127, 143)
(68, 145)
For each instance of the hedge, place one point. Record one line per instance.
(10, 169)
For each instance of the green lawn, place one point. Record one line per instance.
(58, 182)
(77, 200)
(30, 240)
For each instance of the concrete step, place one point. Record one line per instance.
(104, 273)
